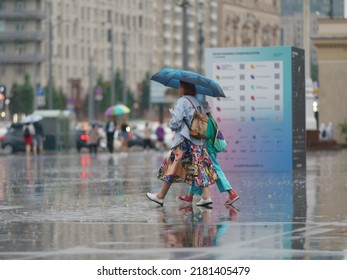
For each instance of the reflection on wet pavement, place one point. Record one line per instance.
(82, 207)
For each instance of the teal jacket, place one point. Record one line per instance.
(210, 135)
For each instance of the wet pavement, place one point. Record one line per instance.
(73, 206)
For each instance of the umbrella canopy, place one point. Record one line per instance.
(31, 118)
(117, 110)
(171, 78)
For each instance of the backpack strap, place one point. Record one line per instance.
(190, 102)
(189, 126)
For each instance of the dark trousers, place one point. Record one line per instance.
(93, 148)
(110, 138)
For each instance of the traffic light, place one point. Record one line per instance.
(2, 96)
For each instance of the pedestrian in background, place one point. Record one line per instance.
(160, 133)
(93, 140)
(147, 136)
(187, 161)
(110, 129)
(39, 138)
(28, 134)
(222, 182)
(123, 135)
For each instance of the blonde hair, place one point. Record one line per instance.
(187, 88)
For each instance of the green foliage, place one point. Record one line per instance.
(343, 129)
(22, 99)
(101, 106)
(314, 72)
(58, 98)
(145, 94)
(105, 102)
(119, 87)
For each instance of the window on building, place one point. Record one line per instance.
(2, 4)
(2, 69)
(67, 31)
(67, 52)
(75, 53)
(20, 48)
(109, 16)
(2, 25)
(20, 69)
(74, 29)
(74, 9)
(2, 47)
(20, 5)
(59, 52)
(20, 25)
(140, 21)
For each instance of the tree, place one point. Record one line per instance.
(119, 87)
(104, 103)
(314, 72)
(22, 99)
(145, 93)
(58, 98)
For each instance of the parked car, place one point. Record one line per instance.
(13, 140)
(81, 138)
(137, 140)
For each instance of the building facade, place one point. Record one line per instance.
(331, 43)
(22, 41)
(74, 38)
(248, 23)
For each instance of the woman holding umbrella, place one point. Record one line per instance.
(28, 134)
(187, 161)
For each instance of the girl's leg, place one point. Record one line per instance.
(159, 197)
(205, 193)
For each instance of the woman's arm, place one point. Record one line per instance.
(177, 115)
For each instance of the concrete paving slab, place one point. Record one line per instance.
(81, 207)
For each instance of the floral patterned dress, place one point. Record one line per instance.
(188, 163)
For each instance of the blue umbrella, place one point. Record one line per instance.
(172, 77)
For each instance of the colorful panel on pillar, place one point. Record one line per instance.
(263, 114)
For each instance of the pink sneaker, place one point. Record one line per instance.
(185, 198)
(232, 198)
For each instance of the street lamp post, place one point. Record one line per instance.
(201, 43)
(124, 90)
(112, 78)
(50, 93)
(184, 4)
(90, 92)
(201, 35)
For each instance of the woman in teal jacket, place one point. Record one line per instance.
(222, 182)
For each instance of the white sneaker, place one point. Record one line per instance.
(204, 202)
(154, 198)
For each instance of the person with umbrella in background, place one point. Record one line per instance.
(120, 110)
(187, 161)
(39, 138)
(110, 129)
(28, 134)
(33, 133)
